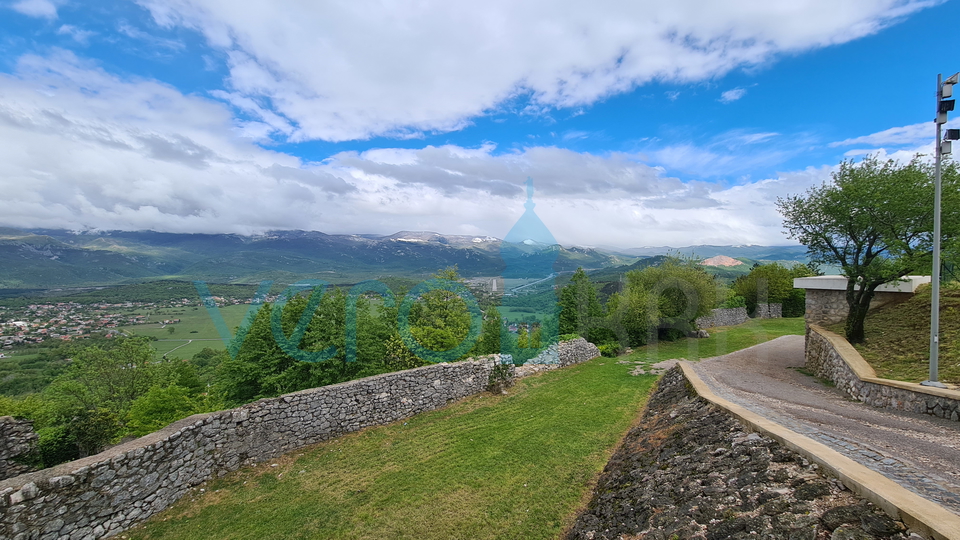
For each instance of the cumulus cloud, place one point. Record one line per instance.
(85, 149)
(354, 70)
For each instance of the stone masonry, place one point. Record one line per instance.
(17, 439)
(101, 495)
(689, 470)
(824, 306)
(769, 311)
(823, 358)
(723, 317)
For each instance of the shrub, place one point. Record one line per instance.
(610, 349)
(734, 302)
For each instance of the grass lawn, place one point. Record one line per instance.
(490, 466)
(897, 342)
(722, 340)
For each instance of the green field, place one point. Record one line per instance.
(194, 331)
(516, 314)
(490, 466)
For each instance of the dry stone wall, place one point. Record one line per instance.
(104, 494)
(576, 351)
(723, 317)
(769, 311)
(17, 439)
(827, 362)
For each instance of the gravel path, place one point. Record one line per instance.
(920, 452)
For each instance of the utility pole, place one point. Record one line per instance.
(944, 105)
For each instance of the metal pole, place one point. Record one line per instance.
(935, 279)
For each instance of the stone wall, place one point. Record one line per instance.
(690, 470)
(769, 311)
(723, 317)
(17, 438)
(831, 357)
(576, 351)
(825, 306)
(101, 495)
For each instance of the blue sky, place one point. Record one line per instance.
(641, 123)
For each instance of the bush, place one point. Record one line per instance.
(734, 302)
(568, 337)
(610, 349)
(499, 379)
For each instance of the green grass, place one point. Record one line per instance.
(722, 340)
(515, 466)
(195, 324)
(897, 343)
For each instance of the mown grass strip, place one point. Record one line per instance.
(514, 466)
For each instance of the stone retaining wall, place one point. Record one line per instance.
(723, 317)
(17, 438)
(830, 356)
(690, 470)
(825, 306)
(101, 495)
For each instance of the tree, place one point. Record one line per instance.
(773, 283)
(875, 221)
(579, 305)
(678, 291)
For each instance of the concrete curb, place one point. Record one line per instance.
(922, 515)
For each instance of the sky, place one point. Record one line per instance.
(641, 123)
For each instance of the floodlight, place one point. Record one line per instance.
(953, 79)
(952, 135)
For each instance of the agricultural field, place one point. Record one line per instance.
(193, 333)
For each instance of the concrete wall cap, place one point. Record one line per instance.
(839, 283)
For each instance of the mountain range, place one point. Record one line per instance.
(40, 258)
(46, 258)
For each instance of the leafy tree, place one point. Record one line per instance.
(773, 283)
(677, 291)
(489, 342)
(579, 305)
(160, 406)
(439, 319)
(875, 221)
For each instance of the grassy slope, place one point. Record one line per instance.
(897, 341)
(515, 466)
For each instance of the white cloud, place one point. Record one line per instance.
(46, 9)
(729, 153)
(78, 34)
(912, 135)
(732, 95)
(86, 149)
(352, 70)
